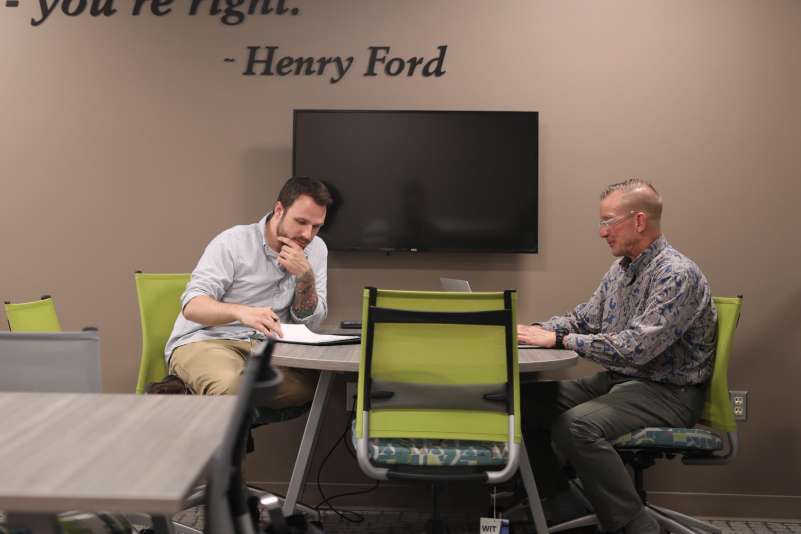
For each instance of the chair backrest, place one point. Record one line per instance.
(37, 316)
(449, 359)
(718, 413)
(50, 362)
(159, 297)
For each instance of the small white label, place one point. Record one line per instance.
(491, 525)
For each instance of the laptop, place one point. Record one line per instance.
(454, 284)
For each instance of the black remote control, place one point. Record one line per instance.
(350, 325)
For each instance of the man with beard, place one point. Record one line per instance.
(249, 280)
(651, 325)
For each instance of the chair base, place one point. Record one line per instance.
(674, 521)
(584, 521)
(198, 496)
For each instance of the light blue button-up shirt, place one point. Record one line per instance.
(239, 267)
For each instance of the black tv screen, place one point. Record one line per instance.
(423, 180)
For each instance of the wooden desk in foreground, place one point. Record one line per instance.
(117, 453)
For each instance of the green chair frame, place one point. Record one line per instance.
(35, 316)
(159, 297)
(717, 416)
(442, 366)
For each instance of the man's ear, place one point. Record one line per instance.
(641, 219)
(278, 211)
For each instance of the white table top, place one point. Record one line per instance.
(105, 452)
(345, 358)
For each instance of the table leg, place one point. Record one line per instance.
(308, 441)
(531, 490)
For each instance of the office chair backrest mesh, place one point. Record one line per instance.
(36, 316)
(409, 355)
(159, 297)
(50, 362)
(717, 410)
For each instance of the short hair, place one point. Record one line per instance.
(303, 185)
(639, 195)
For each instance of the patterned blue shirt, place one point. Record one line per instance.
(651, 318)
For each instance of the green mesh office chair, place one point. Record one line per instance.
(438, 392)
(36, 316)
(715, 445)
(159, 297)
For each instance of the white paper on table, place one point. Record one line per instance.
(299, 333)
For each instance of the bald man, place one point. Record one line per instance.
(651, 325)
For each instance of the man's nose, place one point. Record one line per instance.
(307, 232)
(603, 231)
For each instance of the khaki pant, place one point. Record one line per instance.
(215, 367)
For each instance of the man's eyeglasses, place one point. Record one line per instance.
(606, 223)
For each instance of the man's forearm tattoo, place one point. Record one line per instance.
(305, 301)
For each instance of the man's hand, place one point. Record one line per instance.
(263, 320)
(535, 335)
(292, 257)
(209, 312)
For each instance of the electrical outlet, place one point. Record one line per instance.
(739, 404)
(350, 395)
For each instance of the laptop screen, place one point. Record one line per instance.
(454, 284)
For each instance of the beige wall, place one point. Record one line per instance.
(126, 143)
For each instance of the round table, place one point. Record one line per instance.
(332, 359)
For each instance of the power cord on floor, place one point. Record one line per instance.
(348, 515)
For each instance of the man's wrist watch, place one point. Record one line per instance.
(560, 338)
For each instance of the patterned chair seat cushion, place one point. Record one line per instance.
(687, 439)
(434, 452)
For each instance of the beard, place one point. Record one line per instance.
(280, 231)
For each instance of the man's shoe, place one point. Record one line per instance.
(170, 385)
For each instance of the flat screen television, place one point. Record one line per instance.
(420, 181)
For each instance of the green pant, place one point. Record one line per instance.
(580, 417)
